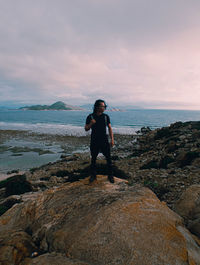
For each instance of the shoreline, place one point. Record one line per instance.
(166, 160)
(23, 150)
(4, 176)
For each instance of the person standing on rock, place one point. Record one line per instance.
(97, 122)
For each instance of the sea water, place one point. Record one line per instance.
(72, 122)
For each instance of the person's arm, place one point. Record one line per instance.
(89, 126)
(111, 135)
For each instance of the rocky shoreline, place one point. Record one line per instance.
(166, 161)
(23, 144)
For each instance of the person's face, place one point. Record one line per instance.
(101, 107)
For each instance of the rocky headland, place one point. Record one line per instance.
(150, 215)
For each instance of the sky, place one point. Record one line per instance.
(142, 53)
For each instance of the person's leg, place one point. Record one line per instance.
(105, 148)
(94, 150)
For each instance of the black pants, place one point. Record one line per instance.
(96, 147)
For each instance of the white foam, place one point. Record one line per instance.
(125, 130)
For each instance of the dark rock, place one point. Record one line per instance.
(158, 189)
(63, 156)
(186, 158)
(115, 157)
(194, 227)
(16, 185)
(171, 147)
(177, 125)
(8, 203)
(61, 173)
(137, 153)
(2, 193)
(145, 130)
(165, 161)
(150, 164)
(195, 125)
(13, 171)
(32, 170)
(164, 132)
(45, 178)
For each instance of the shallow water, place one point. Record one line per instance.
(22, 150)
(10, 160)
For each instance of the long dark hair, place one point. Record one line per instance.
(97, 103)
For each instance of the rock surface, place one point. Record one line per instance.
(166, 160)
(188, 206)
(53, 259)
(97, 224)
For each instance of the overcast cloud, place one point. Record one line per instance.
(134, 52)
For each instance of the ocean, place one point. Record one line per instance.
(23, 153)
(72, 122)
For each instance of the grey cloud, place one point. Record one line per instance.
(81, 24)
(72, 49)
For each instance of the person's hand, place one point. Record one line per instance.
(112, 143)
(93, 121)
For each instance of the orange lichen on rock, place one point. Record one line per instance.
(4, 220)
(100, 223)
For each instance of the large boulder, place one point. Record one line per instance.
(188, 206)
(101, 223)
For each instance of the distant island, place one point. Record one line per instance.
(59, 105)
(110, 108)
(115, 109)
